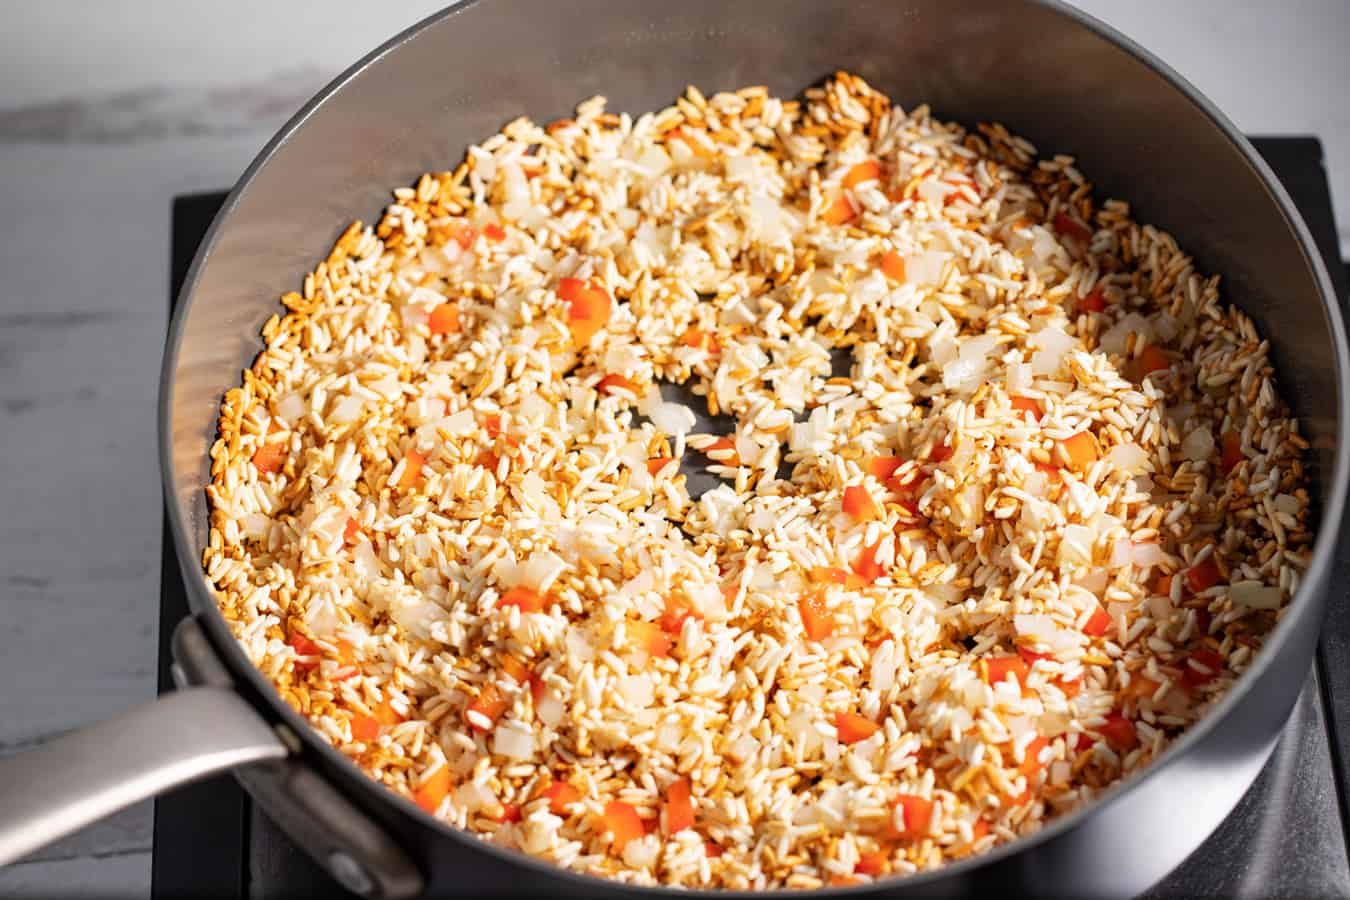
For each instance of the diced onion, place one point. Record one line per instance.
(512, 742)
(1052, 344)
(1146, 554)
(1198, 445)
(925, 268)
(291, 407)
(673, 418)
(1255, 595)
(1113, 340)
(1128, 457)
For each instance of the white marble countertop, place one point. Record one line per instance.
(109, 110)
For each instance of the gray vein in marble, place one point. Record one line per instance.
(157, 112)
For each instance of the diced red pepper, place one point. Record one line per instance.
(832, 575)
(998, 668)
(1030, 657)
(386, 715)
(712, 850)
(516, 670)
(462, 233)
(622, 821)
(488, 705)
(1094, 301)
(859, 504)
(883, 468)
(816, 619)
(650, 638)
(494, 232)
(679, 806)
(866, 565)
(1031, 759)
(412, 469)
(1119, 733)
(588, 308)
(1152, 359)
(893, 266)
(444, 319)
(867, 170)
(844, 880)
(723, 452)
(560, 796)
(656, 464)
(1080, 449)
(701, 340)
(853, 728)
(839, 212)
(510, 813)
(1201, 667)
(610, 383)
(873, 864)
(271, 456)
(1231, 452)
(537, 688)
(672, 622)
(1098, 623)
(918, 817)
(303, 646)
(1067, 225)
(527, 599)
(364, 728)
(1026, 405)
(1204, 575)
(433, 790)
(351, 531)
(940, 452)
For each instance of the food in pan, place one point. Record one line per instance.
(1007, 495)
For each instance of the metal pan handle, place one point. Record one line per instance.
(83, 776)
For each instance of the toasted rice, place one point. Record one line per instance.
(369, 590)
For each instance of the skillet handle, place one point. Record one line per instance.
(80, 777)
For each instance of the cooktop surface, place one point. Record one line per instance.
(1286, 838)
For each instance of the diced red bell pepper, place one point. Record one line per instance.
(816, 619)
(679, 806)
(1098, 623)
(1119, 733)
(527, 599)
(866, 565)
(893, 266)
(1031, 759)
(1204, 575)
(1026, 406)
(610, 383)
(560, 796)
(433, 790)
(853, 728)
(1068, 226)
(858, 504)
(413, 461)
(622, 821)
(1201, 667)
(918, 813)
(839, 212)
(588, 308)
(1231, 453)
(444, 319)
(867, 170)
(998, 668)
(484, 710)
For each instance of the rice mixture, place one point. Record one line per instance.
(1007, 494)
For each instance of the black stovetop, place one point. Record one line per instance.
(1287, 837)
